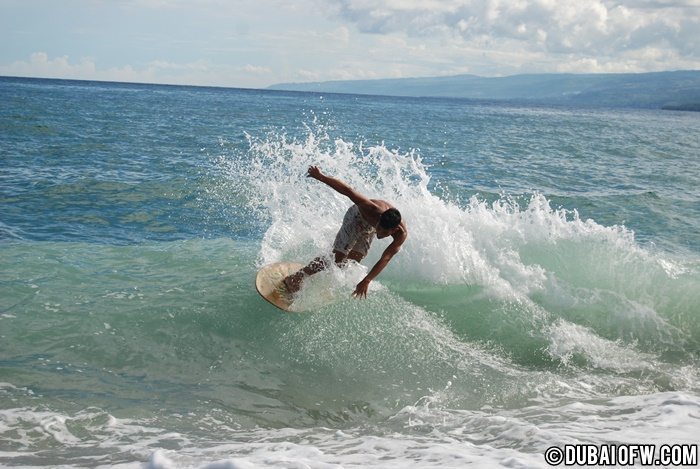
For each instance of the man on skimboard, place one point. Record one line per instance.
(363, 221)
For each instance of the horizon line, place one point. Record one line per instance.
(267, 88)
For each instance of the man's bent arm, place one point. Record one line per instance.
(361, 288)
(383, 261)
(379, 266)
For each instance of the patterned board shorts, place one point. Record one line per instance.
(355, 234)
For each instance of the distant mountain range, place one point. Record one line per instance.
(668, 90)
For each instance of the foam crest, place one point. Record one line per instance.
(549, 261)
(481, 243)
(569, 340)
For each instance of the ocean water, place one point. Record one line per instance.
(548, 293)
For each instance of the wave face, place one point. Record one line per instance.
(514, 271)
(512, 319)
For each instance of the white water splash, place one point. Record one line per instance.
(562, 273)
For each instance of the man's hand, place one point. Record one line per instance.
(361, 289)
(314, 172)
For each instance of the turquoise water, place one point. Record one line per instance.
(549, 291)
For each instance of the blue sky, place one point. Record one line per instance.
(255, 43)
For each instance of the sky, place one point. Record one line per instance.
(256, 43)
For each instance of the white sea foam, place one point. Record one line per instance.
(549, 261)
(427, 434)
(480, 243)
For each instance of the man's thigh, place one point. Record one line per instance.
(356, 256)
(340, 257)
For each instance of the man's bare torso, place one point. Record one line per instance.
(373, 212)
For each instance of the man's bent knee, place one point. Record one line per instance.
(340, 257)
(356, 256)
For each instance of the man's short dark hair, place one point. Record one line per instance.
(390, 219)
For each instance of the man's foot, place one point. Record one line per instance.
(285, 283)
(293, 282)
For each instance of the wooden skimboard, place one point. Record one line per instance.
(269, 283)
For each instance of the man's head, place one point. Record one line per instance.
(388, 222)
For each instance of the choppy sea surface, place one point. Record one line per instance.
(548, 293)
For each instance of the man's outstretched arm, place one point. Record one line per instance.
(340, 187)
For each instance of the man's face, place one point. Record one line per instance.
(383, 232)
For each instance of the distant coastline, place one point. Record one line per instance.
(677, 90)
(693, 107)
(669, 91)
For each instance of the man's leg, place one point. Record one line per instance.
(356, 256)
(339, 257)
(345, 239)
(294, 281)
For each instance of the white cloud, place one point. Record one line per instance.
(158, 71)
(307, 75)
(255, 69)
(253, 43)
(582, 33)
(199, 65)
(160, 4)
(39, 65)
